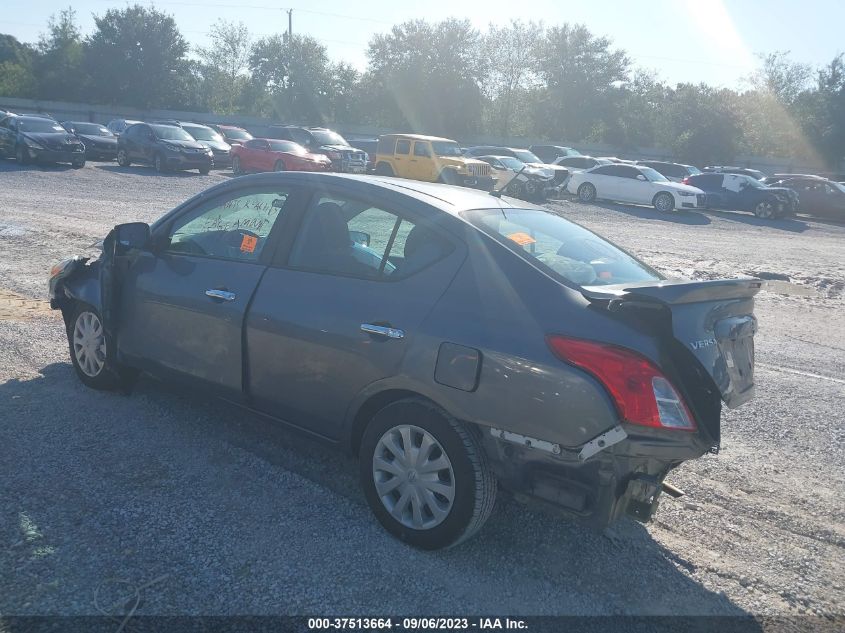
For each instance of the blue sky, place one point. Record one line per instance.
(714, 41)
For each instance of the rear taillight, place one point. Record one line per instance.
(685, 181)
(643, 395)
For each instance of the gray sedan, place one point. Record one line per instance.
(459, 342)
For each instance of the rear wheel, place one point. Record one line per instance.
(764, 210)
(236, 166)
(78, 164)
(425, 475)
(159, 164)
(279, 166)
(204, 170)
(123, 158)
(664, 202)
(587, 192)
(384, 169)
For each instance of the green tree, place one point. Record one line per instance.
(579, 73)
(16, 74)
(223, 65)
(295, 74)
(823, 112)
(136, 57)
(426, 77)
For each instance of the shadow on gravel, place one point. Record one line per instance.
(94, 472)
(679, 216)
(793, 225)
(14, 165)
(147, 170)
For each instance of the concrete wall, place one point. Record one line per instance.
(64, 111)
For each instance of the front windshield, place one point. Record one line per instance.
(203, 133)
(692, 170)
(512, 163)
(39, 126)
(446, 148)
(238, 134)
(653, 175)
(526, 157)
(561, 248)
(171, 133)
(91, 129)
(327, 137)
(753, 182)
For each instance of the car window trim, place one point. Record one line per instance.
(281, 258)
(273, 237)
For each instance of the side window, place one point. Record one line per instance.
(235, 227)
(403, 146)
(351, 238)
(299, 136)
(421, 149)
(606, 170)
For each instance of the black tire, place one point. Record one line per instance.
(123, 158)
(78, 164)
(515, 189)
(236, 166)
(664, 202)
(159, 163)
(587, 192)
(765, 210)
(448, 177)
(384, 169)
(204, 170)
(474, 482)
(279, 166)
(21, 155)
(111, 376)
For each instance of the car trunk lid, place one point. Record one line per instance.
(713, 320)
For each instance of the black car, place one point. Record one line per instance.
(39, 139)
(738, 192)
(166, 147)
(819, 196)
(210, 138)
(550, 153)
(232, 134)
(561, 174)
(319, 140)
(723, 169)
(676, 172)
(368, 146)
(457, 343)
(99, 142)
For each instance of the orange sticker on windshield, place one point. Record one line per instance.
(248, 244)
(523, 239)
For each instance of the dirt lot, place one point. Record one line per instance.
(210, 512)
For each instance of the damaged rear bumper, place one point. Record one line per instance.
(618, 473)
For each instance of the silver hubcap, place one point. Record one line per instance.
(89, 344)
(587, 193)
(121, 156)
(764, 210)
(413, 477)
(664, 203)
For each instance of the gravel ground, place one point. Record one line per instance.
(226, 514)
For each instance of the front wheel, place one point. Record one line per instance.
(587, 192)
(88, 351)
(764, 210)
(425, 475)
(384, 169)
(237, 169)
(204, 170)
(123, 158)
(78, 164)
(279, 166)
(664, 202)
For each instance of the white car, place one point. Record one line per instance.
(635, 184)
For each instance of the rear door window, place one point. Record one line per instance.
(562, 249)
(403, 146)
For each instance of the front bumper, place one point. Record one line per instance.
(189, 161)
(101, 153)
(56, 156)
(697, 201)
(222, 160)
(625, 478)
(349, 166)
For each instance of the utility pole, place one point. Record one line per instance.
(290, 24)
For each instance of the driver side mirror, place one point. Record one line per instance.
(359, 237)
(133, 235)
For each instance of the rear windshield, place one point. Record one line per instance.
(566, 251)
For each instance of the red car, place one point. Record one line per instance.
(262, 154)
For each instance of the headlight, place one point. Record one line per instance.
(34, 145)
(686, 194)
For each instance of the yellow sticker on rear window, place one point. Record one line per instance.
(523, 239)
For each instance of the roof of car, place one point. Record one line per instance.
(418, 137)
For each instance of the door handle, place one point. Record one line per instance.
(381, 330)
(223, 295)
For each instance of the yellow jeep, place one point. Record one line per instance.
(432, 159)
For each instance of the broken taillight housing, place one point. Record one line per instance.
(642, 394)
